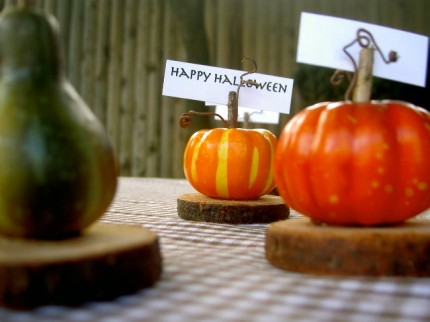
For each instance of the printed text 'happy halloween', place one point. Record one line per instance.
(204, 76)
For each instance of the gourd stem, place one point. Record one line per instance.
(363, 86)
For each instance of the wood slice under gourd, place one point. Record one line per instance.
(104, 262)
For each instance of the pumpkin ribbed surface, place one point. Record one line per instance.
(356, 163)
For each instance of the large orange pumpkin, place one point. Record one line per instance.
(351, 163)
(235, 164)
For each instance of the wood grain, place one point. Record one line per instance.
(301, 246)
(104, 262)
(198, 207)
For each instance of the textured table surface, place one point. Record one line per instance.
(218, 272)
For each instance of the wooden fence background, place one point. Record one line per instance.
(115, 51)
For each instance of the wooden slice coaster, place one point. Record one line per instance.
(104, 262)
(198, 207)
(301, 246)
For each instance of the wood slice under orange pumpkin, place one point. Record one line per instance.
(198, 207)
(299, 245)
(104, 262)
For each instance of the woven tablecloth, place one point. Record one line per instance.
(218, 272)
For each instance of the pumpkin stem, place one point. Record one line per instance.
(233, 97)
(185, 120)
(361, 83)
(364, 76)
(232, 110)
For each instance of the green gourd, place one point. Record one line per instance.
(58, 172)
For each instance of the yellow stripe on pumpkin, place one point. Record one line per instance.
(221, 171)
(195, 157)
(254, 167)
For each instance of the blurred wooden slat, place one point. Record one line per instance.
(87, 70)
(127, 76)
(154, 73)
(172, 141)
(75, 54)
(114, 73)
(101, 64)
(141, 65)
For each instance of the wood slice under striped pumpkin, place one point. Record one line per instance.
(198, 207)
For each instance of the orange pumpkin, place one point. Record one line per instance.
(349, 163)
(235, 164)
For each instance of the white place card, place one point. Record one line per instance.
(322, 38)
(212, 84)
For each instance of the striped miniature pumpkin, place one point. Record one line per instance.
(234, 164)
